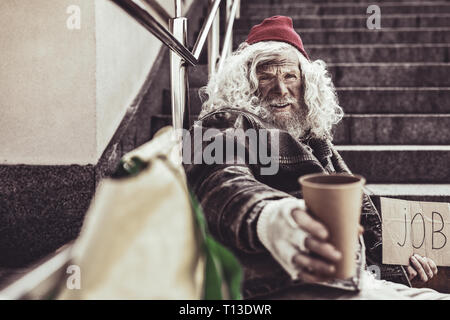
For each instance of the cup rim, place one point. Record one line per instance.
(302, 180)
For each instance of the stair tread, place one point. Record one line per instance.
(360, 16)
(393, 88)
(352, 4)
(340, 1)
(265, 10)
(316, 22)
(380, 45)
(393, 189)
(389, 64)
(364, 30)
(385, 148)
(398, 115)
(349, 4)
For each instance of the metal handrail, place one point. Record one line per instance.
(142, 16)
(159, 10)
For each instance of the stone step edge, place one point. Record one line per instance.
(391, 148)
(324, 30)
(397, 115)
(378, 45)
(392, 189)
(347, 4)
(361, 16)
(392, 88)
(388, 64)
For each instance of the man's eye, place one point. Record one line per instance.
(291, 76)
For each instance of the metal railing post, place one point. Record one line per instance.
(178, 74)
(229, 6)
(214, 43)
(228, 39)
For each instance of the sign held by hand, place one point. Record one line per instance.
(410, 227)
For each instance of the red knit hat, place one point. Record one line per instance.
(276, 28)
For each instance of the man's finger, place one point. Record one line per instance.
(323, 249)
(360, 230)
(411, 272)
(418, 267)
(313, 227)
(424, 262)
(432, 265)
(311, 278)
(315, 266)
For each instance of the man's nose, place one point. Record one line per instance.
(280, 88)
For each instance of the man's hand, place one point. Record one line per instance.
(424, 267)
(319, 264)
(298, 241)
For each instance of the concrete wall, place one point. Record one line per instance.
(64, 92)
(125, 54)
(47, 83)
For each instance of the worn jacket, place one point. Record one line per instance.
(233, 194)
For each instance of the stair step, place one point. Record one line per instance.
(379, 74)
(362, 100)
(394, 100)
(365, 36)
(367, 2)
(400, 129)
(426, 20)
(380, 53)
(258, 10)
(416, 192)
(399, 164)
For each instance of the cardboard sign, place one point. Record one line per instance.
(415, 227)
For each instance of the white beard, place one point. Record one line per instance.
(295, 122)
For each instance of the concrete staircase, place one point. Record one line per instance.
(393, 84)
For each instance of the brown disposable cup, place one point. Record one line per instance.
(335, 200)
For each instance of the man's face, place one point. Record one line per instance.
(281, 94)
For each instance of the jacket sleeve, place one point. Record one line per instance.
(232, 200)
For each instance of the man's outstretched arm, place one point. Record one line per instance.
(232, 200)
(250, 216)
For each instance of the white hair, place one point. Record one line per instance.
(237, 86)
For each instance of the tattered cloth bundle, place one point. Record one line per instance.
(144, 236)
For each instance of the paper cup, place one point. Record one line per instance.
(335, 200)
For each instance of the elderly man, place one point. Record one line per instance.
(270, 83)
